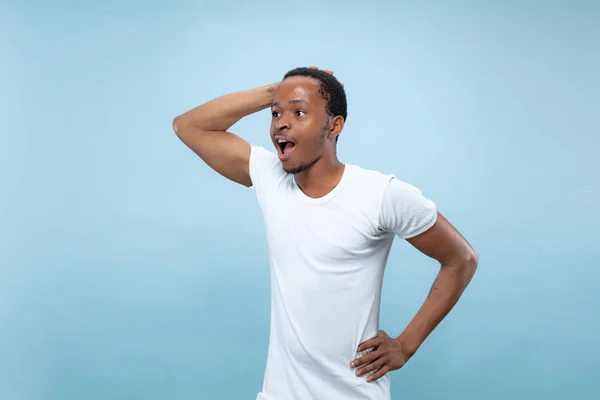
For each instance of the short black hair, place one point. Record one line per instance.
(331, 90)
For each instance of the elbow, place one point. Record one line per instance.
(183, 125)
(469, 263)
(177, 125)
(464, 264)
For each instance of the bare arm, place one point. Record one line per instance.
(458, 264)
(204, 130)
(458, 260)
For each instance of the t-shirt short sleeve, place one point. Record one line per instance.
(405, 211)
(264, 169)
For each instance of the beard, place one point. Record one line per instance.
(300, 168)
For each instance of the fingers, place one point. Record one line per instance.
(381, 372)
(376, 361)
(373, 342)
(377, 365)
(367, 358)
(369, 368)
(372, 363)
(330, 72)
(381, 360)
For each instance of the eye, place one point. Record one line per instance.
(300, 113)
(275, 114)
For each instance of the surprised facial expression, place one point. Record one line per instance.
(300, 123)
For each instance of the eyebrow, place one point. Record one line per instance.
(275, 104)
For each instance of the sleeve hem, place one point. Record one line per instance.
(423, 229)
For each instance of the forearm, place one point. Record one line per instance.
(445, 292)
(223, 112)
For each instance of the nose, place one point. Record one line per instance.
(281, 124)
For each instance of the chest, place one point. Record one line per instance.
(327, 234)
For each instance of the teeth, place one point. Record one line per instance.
(281, 141)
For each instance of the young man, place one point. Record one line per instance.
(330, 227)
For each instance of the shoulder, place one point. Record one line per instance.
(401, 207)
(386, 184)
(265, 168)
(261, 158)
(365, 190)
(405, 210)
(369, 180)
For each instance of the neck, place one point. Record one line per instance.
(322, 177)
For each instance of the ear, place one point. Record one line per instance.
(335, 126)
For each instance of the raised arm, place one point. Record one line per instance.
(204, 130)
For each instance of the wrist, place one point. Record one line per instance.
(409, 345)
(266, 94)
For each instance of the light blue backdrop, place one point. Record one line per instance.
(130, 270)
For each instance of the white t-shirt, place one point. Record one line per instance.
(327, 259)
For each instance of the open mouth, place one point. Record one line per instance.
(285, 146)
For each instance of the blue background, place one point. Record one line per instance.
(130, 270)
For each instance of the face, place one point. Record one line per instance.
(301, 129)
